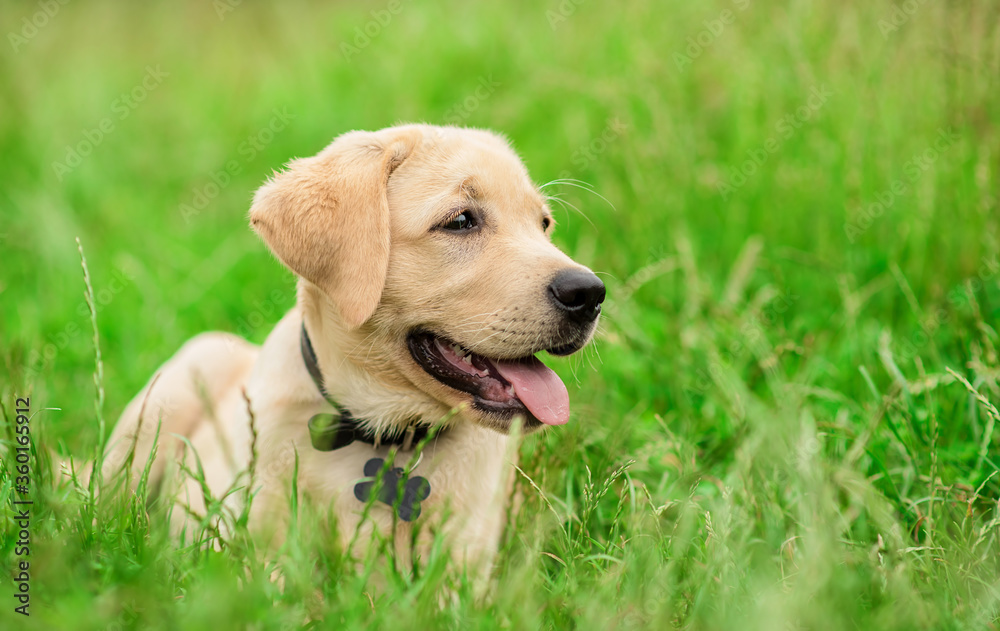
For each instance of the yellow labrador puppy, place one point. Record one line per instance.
(427, 283)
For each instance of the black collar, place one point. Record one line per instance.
(333, 431)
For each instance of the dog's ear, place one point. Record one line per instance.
(327, 217)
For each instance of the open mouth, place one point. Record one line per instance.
(505, 387)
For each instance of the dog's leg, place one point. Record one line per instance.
(182, 396)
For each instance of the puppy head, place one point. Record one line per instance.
(432, 247)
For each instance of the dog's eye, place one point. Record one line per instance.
(462, 221)
(546, 222)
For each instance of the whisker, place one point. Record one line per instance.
(485, 339)
(564, 180)
(566, 204)
(582, 186)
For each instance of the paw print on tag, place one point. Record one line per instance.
(415, 489)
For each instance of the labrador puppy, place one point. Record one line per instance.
(427, 284)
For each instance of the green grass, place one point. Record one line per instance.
(776, 428)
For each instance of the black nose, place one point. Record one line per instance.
(579, 293)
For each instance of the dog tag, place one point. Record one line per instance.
(415, 489)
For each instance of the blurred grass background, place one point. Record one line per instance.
(766, 436)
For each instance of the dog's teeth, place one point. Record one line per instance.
(467, 359)
(510, 389)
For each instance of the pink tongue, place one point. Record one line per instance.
(538, 388)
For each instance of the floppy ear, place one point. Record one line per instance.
(327, 217)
